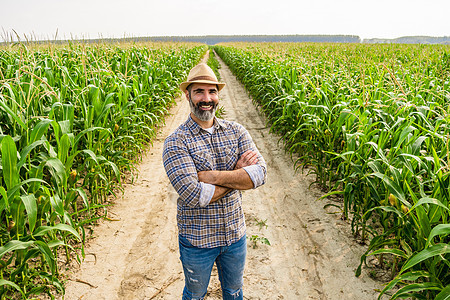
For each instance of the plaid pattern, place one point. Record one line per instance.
(191, 149)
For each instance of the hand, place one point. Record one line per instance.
(249, 158)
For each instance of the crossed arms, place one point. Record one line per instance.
(202, 187)
(226, 181)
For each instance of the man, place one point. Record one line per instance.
(209, 161)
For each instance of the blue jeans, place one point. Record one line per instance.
(198, 263)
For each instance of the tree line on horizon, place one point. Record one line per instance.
(216, 39)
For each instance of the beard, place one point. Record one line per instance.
(203, 115)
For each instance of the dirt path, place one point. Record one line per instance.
(312, 254)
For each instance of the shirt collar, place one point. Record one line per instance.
(195, 128)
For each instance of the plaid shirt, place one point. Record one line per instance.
(191, 149)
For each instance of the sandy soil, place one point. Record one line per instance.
(312, 254)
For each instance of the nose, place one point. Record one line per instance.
(207, 96)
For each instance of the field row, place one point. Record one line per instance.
(372, 123)
(73, 120)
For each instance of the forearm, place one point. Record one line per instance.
(219, 193)
(235, 179)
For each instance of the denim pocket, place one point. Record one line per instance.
(184, 242)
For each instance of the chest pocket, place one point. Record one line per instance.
(202, 160)
(227, 158)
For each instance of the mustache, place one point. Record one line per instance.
(206, 103)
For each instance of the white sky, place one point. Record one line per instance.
(40, 19)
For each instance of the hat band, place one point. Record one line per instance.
(203, 78)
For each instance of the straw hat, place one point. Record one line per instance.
(201, 73)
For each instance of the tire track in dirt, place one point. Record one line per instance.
(312, 254)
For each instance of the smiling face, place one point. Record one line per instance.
(203, 99)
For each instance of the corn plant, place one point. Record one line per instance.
(372, 123)
(73, 119)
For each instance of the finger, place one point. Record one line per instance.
(252, 156)
(246, 154)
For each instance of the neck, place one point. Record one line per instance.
(203, 124)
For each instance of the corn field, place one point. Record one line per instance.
(73, 121)
(372, 123)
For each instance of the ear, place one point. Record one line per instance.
(186, 93)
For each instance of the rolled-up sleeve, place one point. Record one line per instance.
(257, 172)
(206, 193)
(181, 171)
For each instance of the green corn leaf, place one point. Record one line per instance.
(91, 154)
(56, 130)
(422, 216)
(56, 243)
(80, 135)
(114, 168)
(397, 252)
(427, 200)
(12, 284)
(64, 126)
(377, 242)
(38, 130)
(93, 97)
(69, 114)
(11, 113)
(437, 164)
(415, 157)
(54, 110)
(41, 230)
(406, 247)
(48, 255)
(432, 251)
(83, 196)
(63, 148)
(385, 208)
(100, 119)
(441, 229)
(11, 192)
(9, 162)
(25, 151)
(444, 294)
(57, 204)
(375, 166)
(70, 159)
(417, 144)
(30, 204)
(379, 152)
(90, 116)
(54, 280)
(57, 170)
(405, 132)
(393, 187)
(33, 252)
(4, 203)
(415, 287)
(410, 276)
(14, 245)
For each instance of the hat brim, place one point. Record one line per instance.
(185, 84)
